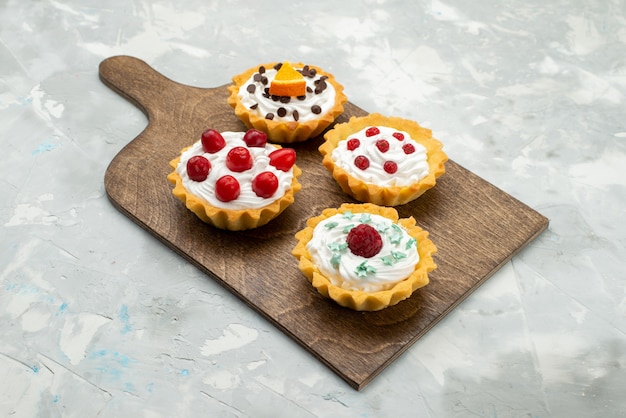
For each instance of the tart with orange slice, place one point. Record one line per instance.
(289, 102)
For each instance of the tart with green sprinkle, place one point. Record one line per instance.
(363, 256)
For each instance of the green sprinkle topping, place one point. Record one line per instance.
(410, 243)
(366, 218)
(363, 269)
(348, 214)
(382, 227)
(393, 258)
(397, 255)
(335, 260)
(395, 238)
(347, 228)
(330, 225)
(338, 247)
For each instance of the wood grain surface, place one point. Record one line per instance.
(476, 227)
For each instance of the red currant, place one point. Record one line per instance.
(265, 184)
(212, 141)
(361, 162)
(390, 167)
(372, 131)
(408, 148)
(254, 138)
(227, 188)
(353, 144)
(283, 158)
(198, 168)
(382, 145)
(239, 159)
(399, 136)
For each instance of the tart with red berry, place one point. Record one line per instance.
(235, 180)
(363, 256)
(290, 103)
(388, 161)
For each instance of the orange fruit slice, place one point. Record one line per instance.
(288, 82)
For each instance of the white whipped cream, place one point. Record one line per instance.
(248, 198)
(257, 102)
(411, 167)
(395, 261)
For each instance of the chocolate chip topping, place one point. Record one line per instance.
(296, 115)
(251, 88)
(257, 77)
(269, 116)
(262, 69)
(320, 85)
(306, 71)
(285, 99)
(316, 109)
(281, 111)
(254, 106)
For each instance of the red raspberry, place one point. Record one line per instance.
(198, 168)
(212, 141)
(399, 136)
(390, 167)
(227, 188)
(372, 131)
(362, 162)
(408, 148)
(254, 138)
(239, 159)
(283, 158)
(364, 240)
(353, 144)
(382, 145)
(265, 184)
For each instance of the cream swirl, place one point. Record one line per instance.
(316, 102)
(329, 252)
(409, 156)
(247, 198)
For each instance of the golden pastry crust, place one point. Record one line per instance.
(281, 131)
(232, 220)
(368, 192)
(357, 299)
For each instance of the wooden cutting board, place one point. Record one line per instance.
(476, 227)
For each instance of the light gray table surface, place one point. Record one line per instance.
(98, 318)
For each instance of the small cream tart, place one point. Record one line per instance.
(387, 161)
(363, 256)
(287, 119)
(395, 261)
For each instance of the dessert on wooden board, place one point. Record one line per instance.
(388, 161)
(291, 103)
(363, 256)
(235, 180)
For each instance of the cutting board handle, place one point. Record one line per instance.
(138, 82)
